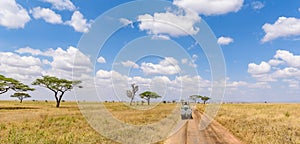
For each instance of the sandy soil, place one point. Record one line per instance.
(213, 134)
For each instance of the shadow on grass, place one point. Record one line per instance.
(16, 108)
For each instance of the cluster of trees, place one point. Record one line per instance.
(195, 98)
(56, 85)
(20, 89)
(60, 86)
(147, 95)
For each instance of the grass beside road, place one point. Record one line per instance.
(262, 123)
(42, 123)
(137, 116)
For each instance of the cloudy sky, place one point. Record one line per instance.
(259, 40)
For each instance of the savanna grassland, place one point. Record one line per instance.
(42, 123)
(262, 123)
(137, 116)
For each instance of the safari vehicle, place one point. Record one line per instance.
(186, 111)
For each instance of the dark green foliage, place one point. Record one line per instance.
(7, 84)
(203, 98)
(57, 86)
(20, 96)
(147, 95)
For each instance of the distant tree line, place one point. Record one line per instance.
(195, 98)
(147, 95)
(58, 86)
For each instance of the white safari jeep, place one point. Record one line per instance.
(186, 111)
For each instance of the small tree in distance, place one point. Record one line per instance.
(204, 99)
(131, 93)
(57, 86)
(147, 95)
(20, 96)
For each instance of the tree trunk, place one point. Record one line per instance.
(21, 99)
(148, 101)
(59, 100)
(131, 100)
(57, 104)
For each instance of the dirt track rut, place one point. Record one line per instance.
(213, 134)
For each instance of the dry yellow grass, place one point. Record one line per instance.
(40, 122)
(140, 117)
(262, 123)
(43, 123)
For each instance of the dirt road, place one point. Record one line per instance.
(213, 134)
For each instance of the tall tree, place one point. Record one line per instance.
(57, 86)
(20, 96)
(7, 84)
(204, 99)
(147, 95)
(131, 93)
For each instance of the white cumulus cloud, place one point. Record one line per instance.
(168, 66)
(275, 62)
(12, 14)
(29, 50)
(66, 61)
(225, 40)
(210, 7)
(61, 4)
(257, 5)
(160, 37)
(62, 62)
(262, 68)
(130, 64)
(283, 27)
(288, 57)
(126, 22)
(169, 24)
(20, 67)
(79, 23)
(284, 65)
(101, 60)
(46, 14)
(288, 72)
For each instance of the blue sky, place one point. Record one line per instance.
(259, 40)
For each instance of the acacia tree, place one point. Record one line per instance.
(147, 95)
(204, 99)
(131, 93)
(20, 96)
(7, 84)
(57, 86)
